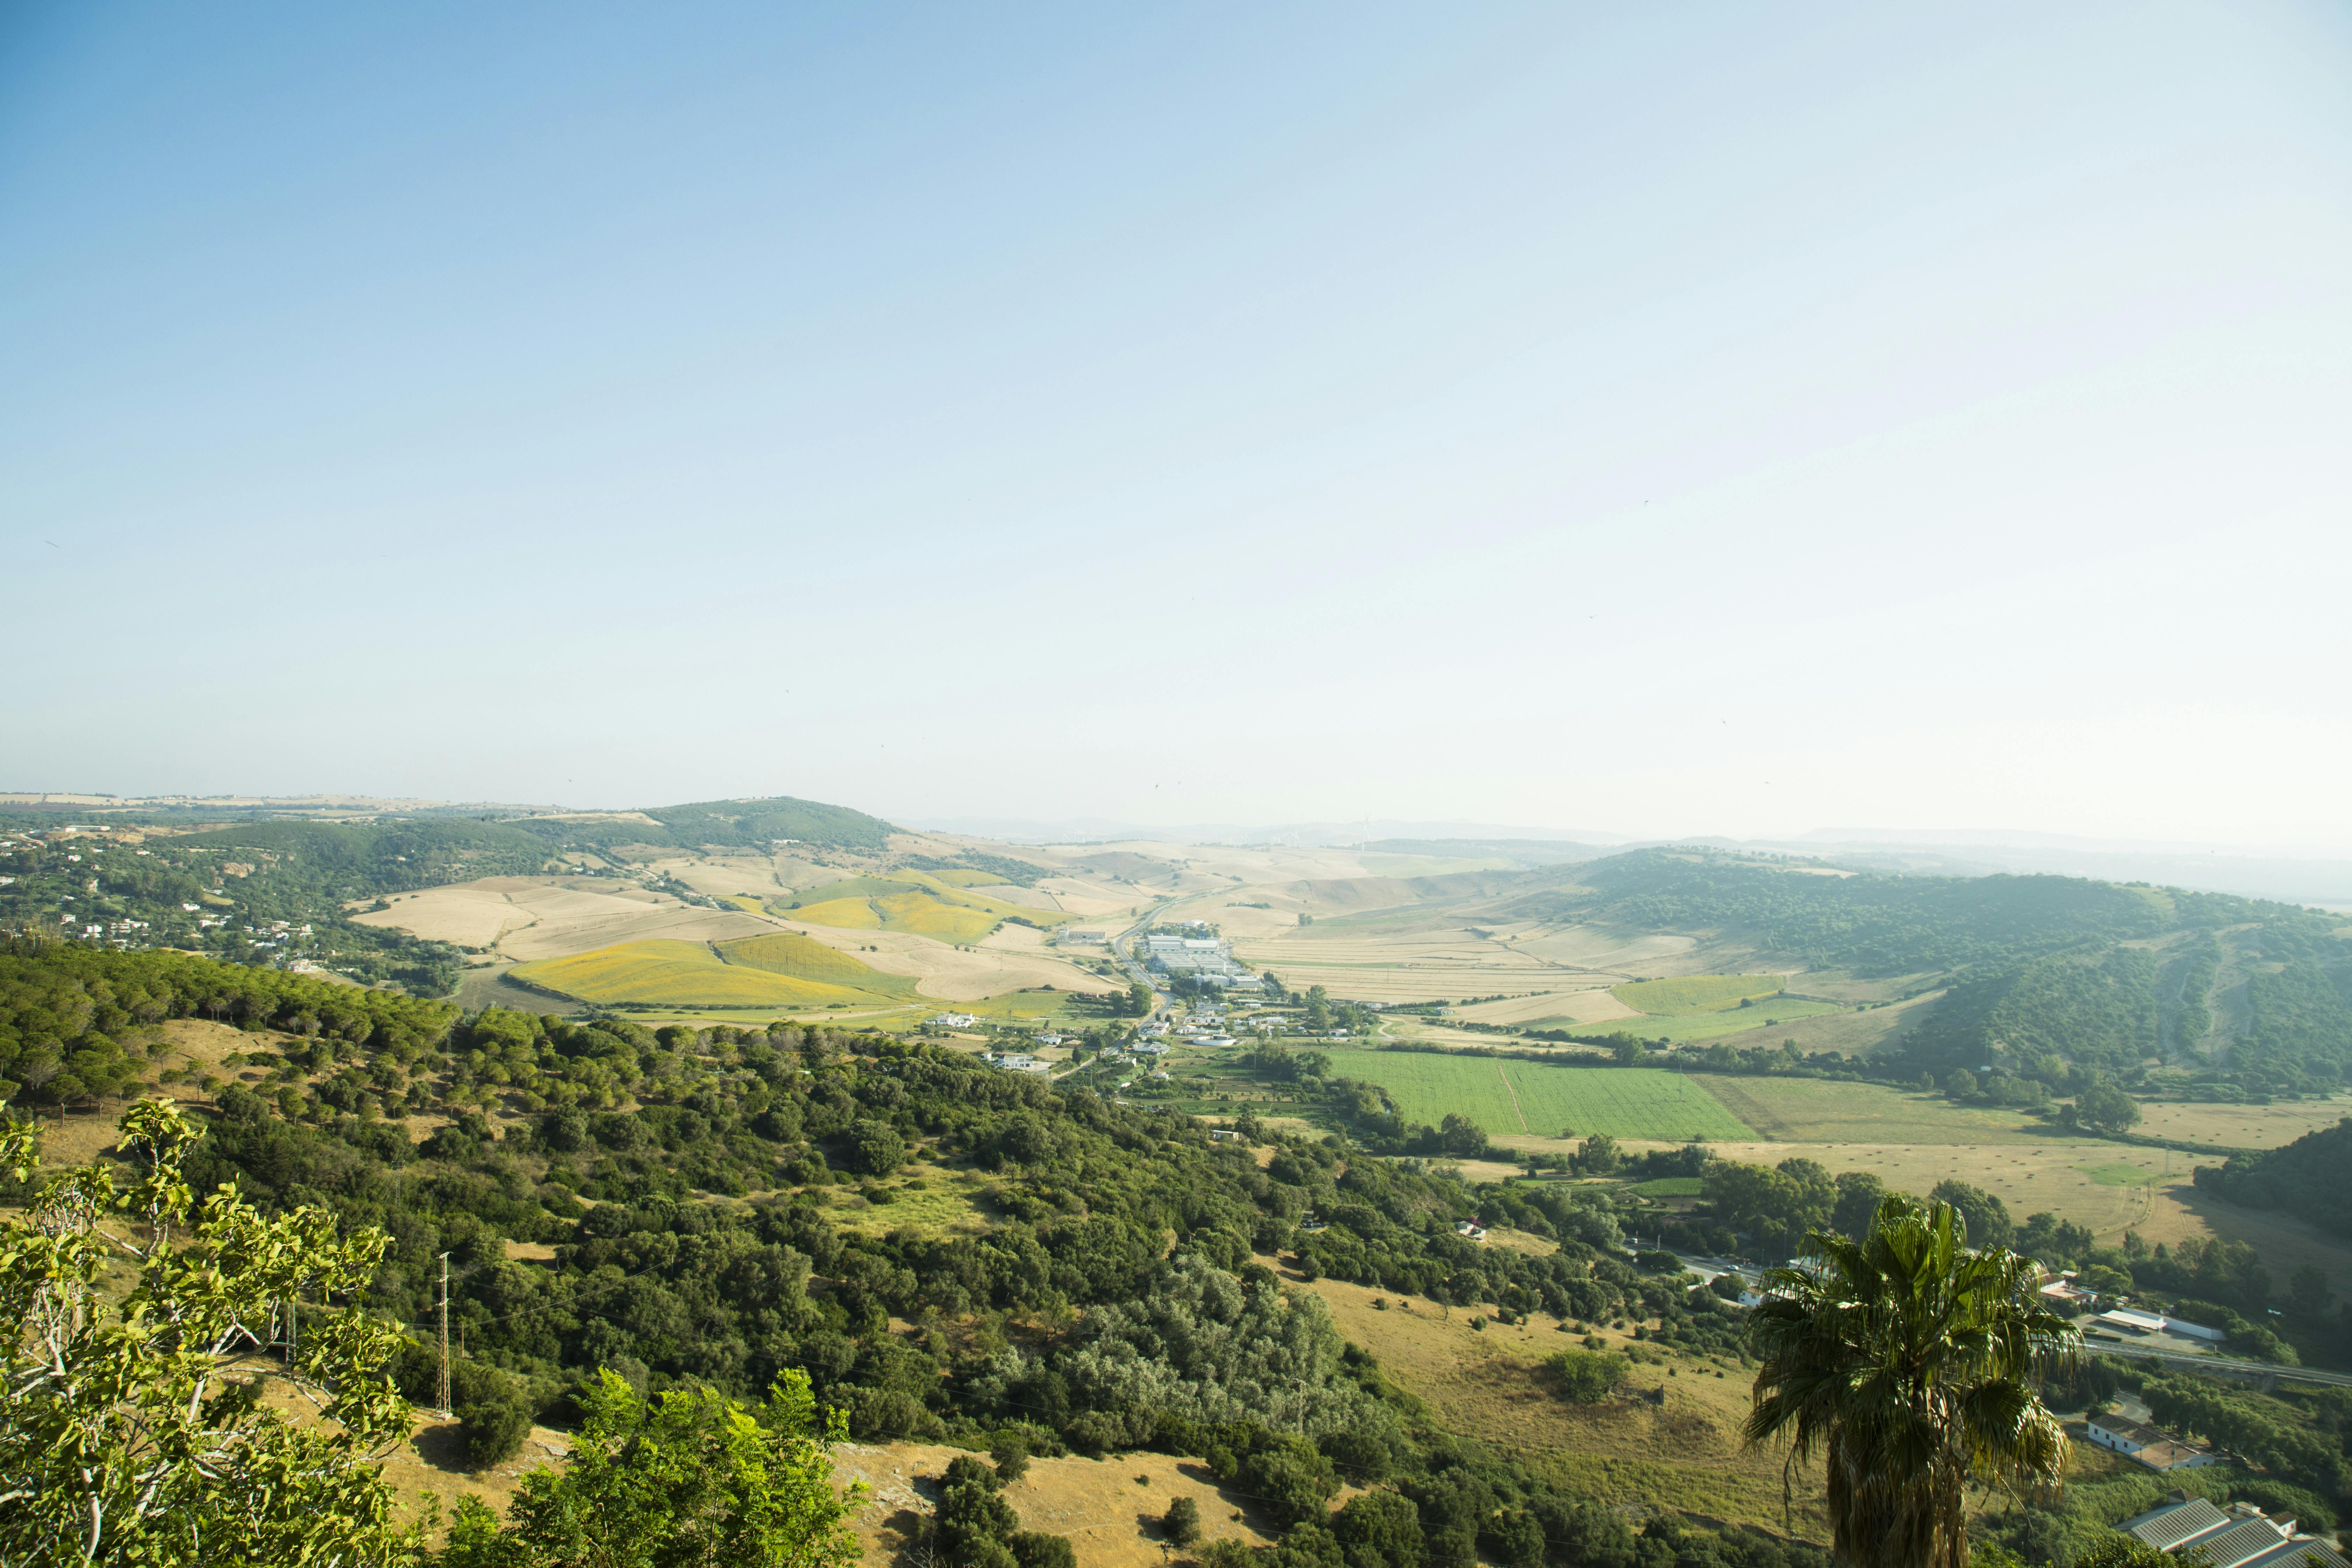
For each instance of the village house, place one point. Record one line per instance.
(2151, 1446)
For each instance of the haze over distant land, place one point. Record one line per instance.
(1734, 419)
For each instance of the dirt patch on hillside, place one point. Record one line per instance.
(430, 1468)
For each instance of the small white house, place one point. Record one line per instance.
(1470, 1229)
(2151, 1446)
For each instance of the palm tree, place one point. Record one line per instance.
(1908, 1364)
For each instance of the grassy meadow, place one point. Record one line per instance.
(1510, 1097)
(1697, 992)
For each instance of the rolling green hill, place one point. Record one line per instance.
(730, 824)
(2050, 977)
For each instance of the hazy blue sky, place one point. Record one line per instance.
(1661, 418)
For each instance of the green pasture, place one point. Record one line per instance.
(1671, 1187)
(1511, 1097)
(1695, 993)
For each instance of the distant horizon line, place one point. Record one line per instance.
(1328, 833)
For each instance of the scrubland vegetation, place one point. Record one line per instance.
(949, 1253)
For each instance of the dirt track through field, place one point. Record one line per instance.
(1516, 1110)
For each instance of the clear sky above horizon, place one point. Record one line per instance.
(1709, 418)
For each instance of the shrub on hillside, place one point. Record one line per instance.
(1587, 1377)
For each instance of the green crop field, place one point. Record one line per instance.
(1695, 993)
(1672, 1187)
(1508, 1097)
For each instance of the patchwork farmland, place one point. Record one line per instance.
(687, 974)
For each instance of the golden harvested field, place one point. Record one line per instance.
(1606, 951)
(1817, 1110)
(2244, 1126)
(1697, 992)
(1089, 897)
(723, 873)
(1373, 941)
(678, 975)
(1108, 1508)
(1593, 1003)
(2052, 1175)
(962, 877)
(531, 917)
(1490, 1385)
(1422, 966)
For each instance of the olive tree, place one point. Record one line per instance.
(146, 1419)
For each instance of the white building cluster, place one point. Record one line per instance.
(1207, 959)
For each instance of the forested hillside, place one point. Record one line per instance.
(2052, 978)
(2310, 1177)
(1871, 923)
(265, 891)
(261, 890)
(720, 1207)
(730, 823)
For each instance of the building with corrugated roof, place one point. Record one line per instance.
(2240, 1536)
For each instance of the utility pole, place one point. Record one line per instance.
(441, 1381)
